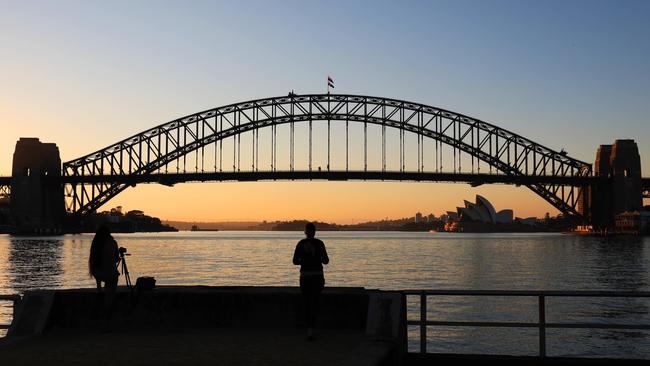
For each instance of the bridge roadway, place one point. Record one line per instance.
(471, 178)
(335, 175)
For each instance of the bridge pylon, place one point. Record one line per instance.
(620, 189)
(37, 201)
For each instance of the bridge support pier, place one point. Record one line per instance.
(620, 163)
(37, 201)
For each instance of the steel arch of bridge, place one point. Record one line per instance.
(151, 150)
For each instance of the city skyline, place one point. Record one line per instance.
(81, 81)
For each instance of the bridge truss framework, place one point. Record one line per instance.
(154, 150)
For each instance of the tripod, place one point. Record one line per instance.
(125, 270)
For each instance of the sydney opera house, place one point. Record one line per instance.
(483, 211)
(477, 216)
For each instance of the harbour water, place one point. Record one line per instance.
(390, 261)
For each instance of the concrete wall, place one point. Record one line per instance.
(192, 307)
(380, 313)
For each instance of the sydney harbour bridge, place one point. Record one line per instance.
(322, 137)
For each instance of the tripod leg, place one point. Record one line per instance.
(125, 272)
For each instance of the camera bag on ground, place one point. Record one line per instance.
(145, 283)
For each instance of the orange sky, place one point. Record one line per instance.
(341, 202)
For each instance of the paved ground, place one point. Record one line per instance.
(481, 360)
(184, 347)
(234, 347)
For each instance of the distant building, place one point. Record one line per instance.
(431, 218)
(635, 222)
(452, 215)
(530, 221)
(483, 211)
(418, 217)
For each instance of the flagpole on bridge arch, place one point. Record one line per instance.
(330, 84)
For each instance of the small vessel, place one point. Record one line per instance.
(196, 228)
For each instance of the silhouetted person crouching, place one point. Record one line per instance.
(310, 254)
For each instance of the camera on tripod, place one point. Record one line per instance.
(122, 251)
(142, 283)
(125, 270)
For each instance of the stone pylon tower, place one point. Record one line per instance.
(37, 202)
(620, 164)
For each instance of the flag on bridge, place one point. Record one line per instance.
(330, 83)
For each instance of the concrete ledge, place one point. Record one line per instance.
(375, 319)
(31, 314)
(201, 307)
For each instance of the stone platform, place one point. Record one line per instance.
(207, 325)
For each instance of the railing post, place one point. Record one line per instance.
(423, 322)
(542, 327)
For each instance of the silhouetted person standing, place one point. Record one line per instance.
(102, 265)
(310, 254)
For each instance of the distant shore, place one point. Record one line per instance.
(396, 225)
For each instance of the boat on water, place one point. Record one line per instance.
(196, 228)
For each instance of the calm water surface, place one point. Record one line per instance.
(389, 260)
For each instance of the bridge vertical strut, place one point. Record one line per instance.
(365, 140)
(221, 144)
(453, 128)
(239, 142)
(347, 125)
(310, 135)
(383, 138)
(329, 114)
(292, 137)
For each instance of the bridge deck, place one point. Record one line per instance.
(338, 175)
(471, 178)
(327, 175)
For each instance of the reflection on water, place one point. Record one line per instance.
(615, 258)
(391, 261)
(34, 263)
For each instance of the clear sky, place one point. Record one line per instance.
(566, 74)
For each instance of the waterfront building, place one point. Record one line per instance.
(477, 216)
(418, 217)
(483, 211)
(632, 222)
(452, 215)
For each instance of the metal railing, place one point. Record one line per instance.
(541, 323)
(13, 299)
